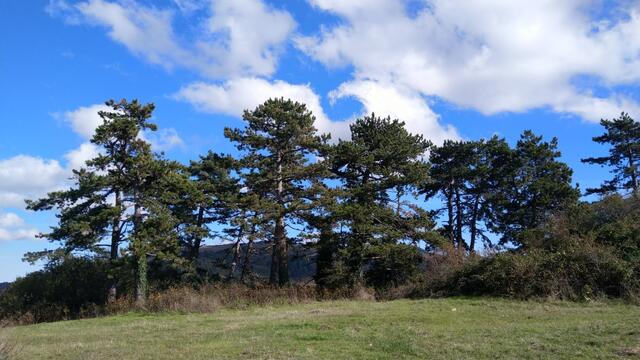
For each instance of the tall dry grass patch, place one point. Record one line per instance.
(210, 298)
(7, 349)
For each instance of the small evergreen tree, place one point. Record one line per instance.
(623, 135)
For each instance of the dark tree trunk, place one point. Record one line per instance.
(280, 256)
(113, 255)
(326, 249)
(635, 187)
(282, 248)
(459, 222)
(474, 225)
(194, 252)
(275, 264)
(236, 252)
(247, 256)
(450, 224)
(142, 281)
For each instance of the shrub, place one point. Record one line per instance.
(63, 290)
(577, 273)
(392, 265)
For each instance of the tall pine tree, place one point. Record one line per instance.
(280, 146)
(114, 194)
(376, 167)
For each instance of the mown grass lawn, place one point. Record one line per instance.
(438, 329)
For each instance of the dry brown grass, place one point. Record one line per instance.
(207, 299)
(210, 298)
(7, 349)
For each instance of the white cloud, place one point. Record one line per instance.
(238, 37)
(489, 55)
(253, 34)
(163, 139)
(145, 31)
(29, 177)
(60, 8)
(18, 234)
(25, 176)
(237, 95)
(77, 158)
(84, 122)
(189, 6)
(10, 220)
(13, 227)
(85, 119)
(404, 105)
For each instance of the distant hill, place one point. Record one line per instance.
(217, 258)
(4, 286)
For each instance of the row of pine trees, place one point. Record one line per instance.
(361, 202)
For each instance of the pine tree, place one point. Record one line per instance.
(451, 168)
(206, 194)
(536, 186)
(492, 161)
(623, 135)
(114, 193)
(382, 158)
(280, 146)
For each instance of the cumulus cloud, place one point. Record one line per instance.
(30, 177)
(85, 119)
(26, 176)
(13, 227)
(238, 40)
(10, 220)
(77, 158)
(236, 37)
(488, 55)
(404, 105)
(163, 139)
(236, 95)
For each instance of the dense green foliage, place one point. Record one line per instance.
(358, 202)
(63, 289)
(370, 227)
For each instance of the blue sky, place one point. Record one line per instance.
(449, 68)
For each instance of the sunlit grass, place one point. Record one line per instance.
(440, 329)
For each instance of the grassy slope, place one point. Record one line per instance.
(448, 328)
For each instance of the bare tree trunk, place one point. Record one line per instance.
(236, 252)
(142, 283)
(247, 256)
(635, 187)
(474, 224)
(462, 245)
(449, 194)
(275, 264)
(194, 252)
(115, 241)
(283, 253)
(280, 256)
(142, 286)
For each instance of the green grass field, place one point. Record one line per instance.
(439, 329)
